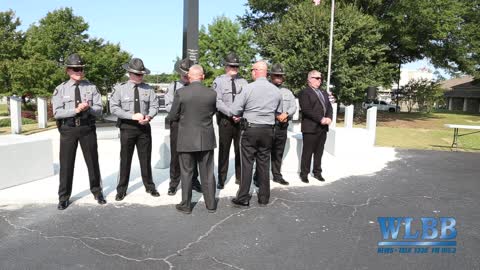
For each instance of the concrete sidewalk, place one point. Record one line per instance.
(45, 190)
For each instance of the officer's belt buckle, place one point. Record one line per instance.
(77, 121)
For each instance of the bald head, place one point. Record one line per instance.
(259, 69)
(195, 73)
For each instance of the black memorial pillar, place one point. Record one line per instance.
(190, 30)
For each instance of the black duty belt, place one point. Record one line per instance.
(77, 122)
(251, 125)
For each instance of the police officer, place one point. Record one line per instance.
(76, 103)
(228, 86)
(258, 105)
(181, 67)
(135, 104)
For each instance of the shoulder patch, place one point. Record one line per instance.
(214, 85)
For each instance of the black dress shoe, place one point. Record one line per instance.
(183, 209)
(281, 181)
(62, 205)
(304, 179)
(237, 203)
(100, 199)
(319, 178)
(153, 192)
(220, 186)
(172, 191)
(120, 196)
(197, 188)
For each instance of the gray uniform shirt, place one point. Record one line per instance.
(289, 104)
(122, 100)
(259, 102)
(63, 99)
(223, 86)
(171, 89)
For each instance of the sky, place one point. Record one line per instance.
(149, 29)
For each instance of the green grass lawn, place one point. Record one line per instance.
(3, 110)
(423, 131)
(28, 128)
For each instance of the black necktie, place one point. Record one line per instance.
(234, 90)
(136, 104)
(78, 98)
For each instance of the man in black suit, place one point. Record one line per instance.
(193, 108)
(316, 116)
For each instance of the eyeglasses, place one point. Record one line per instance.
(77, 69)
(316, 78)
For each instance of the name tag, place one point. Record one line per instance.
(125, 98)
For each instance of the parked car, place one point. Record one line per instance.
(381, 106)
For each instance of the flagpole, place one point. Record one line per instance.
(330, 48)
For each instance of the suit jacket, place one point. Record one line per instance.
(313, 111)
(193, 107)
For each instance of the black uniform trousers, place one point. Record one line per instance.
(188, 163)
(228, 130)
(278, 147)
(141, 137)
(69, 138)
(313, 144)
(256, 145)
(174, 159)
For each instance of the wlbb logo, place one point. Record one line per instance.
(417, 232)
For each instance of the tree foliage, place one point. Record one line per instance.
(221, 37)
(11, 43)
(300, 38)
(444, 31)
(423, 93)
(33, 62)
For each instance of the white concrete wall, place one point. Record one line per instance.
(24, 159)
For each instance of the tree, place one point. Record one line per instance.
(57, 35)
(220, 38)
(423, 93)
(104, 63)
(441, 30)
(11, 43)
(299, 40)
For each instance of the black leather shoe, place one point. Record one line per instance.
(172, 191)
(183, 209)
(319, 177)
(220, 186)
(100, 199)
(304, 179)
(197, 188)
(153, 192)
(237, 203)
(120, 196)
(281, 181)
(62, 205)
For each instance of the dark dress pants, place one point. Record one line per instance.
(141, 137)
(69, 138)
(313, 144)
(255, 145)
(278, 147)
(174, 159)
(188, 162)
(228, 131)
